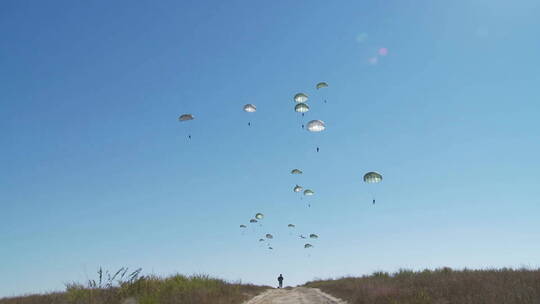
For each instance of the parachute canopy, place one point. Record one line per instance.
(308, 192)
(269, 236)
(250, 108)
(301, 108)
(186, 117)
(296, 171)
(243, 226)
(321, 85)
(313, 236)
(298, 188)
(308, 246)
(316, 126)
(252, 220)
(300, 98)
(261, 240)
(259, 216)
(291, 226)
(372, 178)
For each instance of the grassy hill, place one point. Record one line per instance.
(441, 286)
(124, 288)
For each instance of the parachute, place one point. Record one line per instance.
(270, 248)
(243, 226)
(301, 108)
(253, 221)
(259, 216)
(301, 236)
(298, 189)
(261, 240)
(300, 98)
(269, 236)
(308, 192)
(186, 117)
(291, 226)
(308, 246)
(313, 236)
(321, 85)
(250, 108)
(316, 126)
(296, 171)
(372, 178)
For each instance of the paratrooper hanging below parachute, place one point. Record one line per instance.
(250, 108)
(373, 178)
(185, 118)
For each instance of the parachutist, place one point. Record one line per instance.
(189, 136)
(317, 149)
(249, 124)
(325, 101)
(373, 202)
(302, 126)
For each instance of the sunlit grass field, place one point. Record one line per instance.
(441, 286)
(130, 288)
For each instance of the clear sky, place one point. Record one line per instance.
(96, 170)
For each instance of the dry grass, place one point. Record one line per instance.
(132, 289)
(441, 286)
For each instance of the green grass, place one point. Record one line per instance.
(124, 288)
(441, 286)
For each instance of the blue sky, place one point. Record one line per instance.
(97, 171)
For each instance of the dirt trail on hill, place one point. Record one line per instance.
(298, 295)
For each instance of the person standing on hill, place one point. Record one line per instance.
(280, 280)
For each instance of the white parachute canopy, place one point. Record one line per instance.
(301, 108)
(296, 171)
(373, 178)
(316, 126)
(269, 236)
(259, 216)
(308, 192)
(321, 85)
(186, 117)
(313, 236)
(243, 226)
(291, 226)
(300, 98)
(252, 221)
(250, 108)
(298, 189)
(308, 246)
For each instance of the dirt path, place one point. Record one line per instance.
(298, 295)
